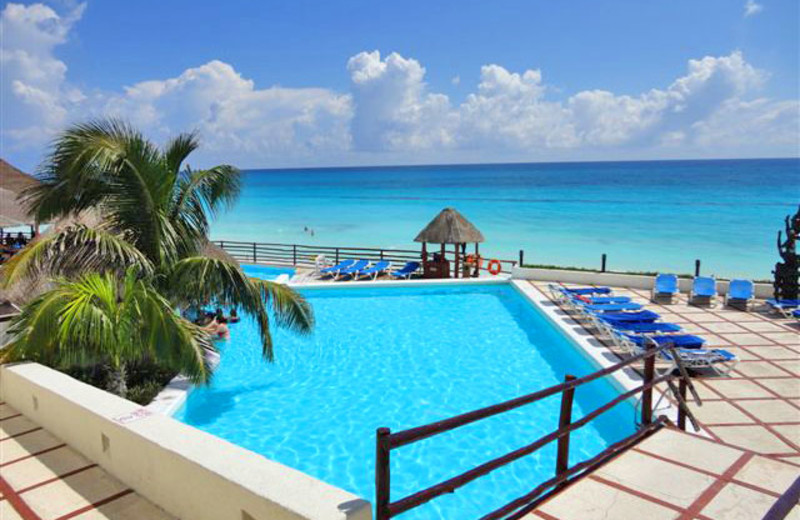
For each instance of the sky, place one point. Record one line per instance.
(301, 83)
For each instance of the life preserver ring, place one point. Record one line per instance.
(494, 266)
(474, 260)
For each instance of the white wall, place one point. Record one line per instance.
(190, 474)
(634, 281)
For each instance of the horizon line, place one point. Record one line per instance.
(514, 163)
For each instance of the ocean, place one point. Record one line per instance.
(645, 216)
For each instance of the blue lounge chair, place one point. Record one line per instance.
(406, 271)
(609, 299)
(334, 269)
(796, 313)
(374, 270)
(587, 290)
(704, 290)
(785, 307)
(353, 269)
(677, 340)
(645, 328)
(665, 287)
(610, 307)
(740, 294)
(719, 360)
(644, 316)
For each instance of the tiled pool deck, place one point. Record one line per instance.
(749, 451)
(41, 478)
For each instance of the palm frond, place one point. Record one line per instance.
(291, 310)
(178, 149)
(198, 280)
(71, 251)
(96, 317)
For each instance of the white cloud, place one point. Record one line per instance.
(393, 109)
(234, 117)
(34, 96)
(752, 8)
(390, 114)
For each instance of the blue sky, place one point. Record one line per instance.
(299, 83)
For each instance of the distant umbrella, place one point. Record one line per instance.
(450, 227)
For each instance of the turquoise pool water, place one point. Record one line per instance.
(402, 357)
(268, 272)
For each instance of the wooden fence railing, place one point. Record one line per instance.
(386, 441)
(304, 254)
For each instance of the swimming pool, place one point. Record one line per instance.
(401, 357)
(268, 272)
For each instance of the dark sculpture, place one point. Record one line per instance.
(787, 273)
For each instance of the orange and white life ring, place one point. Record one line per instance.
(494, 266)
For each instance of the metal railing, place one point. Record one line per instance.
(305, 255)
(386, 441)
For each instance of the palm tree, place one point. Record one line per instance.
(154, 216)
(100, 319)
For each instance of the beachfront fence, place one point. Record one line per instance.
(386, 441)
(305, 255)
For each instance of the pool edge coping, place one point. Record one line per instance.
(623, 380)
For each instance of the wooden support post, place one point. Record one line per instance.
(337, 256)
(255, 255)
(682, 386)
(603, 263)
(697, 267)
(382, 474)
(521, 257)
(477, 272)
(647, 394)
(294, 254)
(564, 420)
(458, 255)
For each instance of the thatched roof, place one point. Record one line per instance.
(449, 227)
(212, 250)
(13, 179)
(12, 182)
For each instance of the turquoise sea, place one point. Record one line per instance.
(659, 215)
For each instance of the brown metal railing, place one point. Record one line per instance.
(785, 503)
(304, 254)
(386, 441)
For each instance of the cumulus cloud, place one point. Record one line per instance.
(393, 109)
(34, 96)
(236, 118)
(752, 8)
(390, 114)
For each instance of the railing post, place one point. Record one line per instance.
(682, 386)
(382, 474)
(521, 257)
(337, 255)
(697, 267)
(647, 394)
(564, 420)
(381, 254)
(255, 255)
(294, 254)
(603, 263)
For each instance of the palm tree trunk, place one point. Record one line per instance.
(117, 380)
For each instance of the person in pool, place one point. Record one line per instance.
(218, 328)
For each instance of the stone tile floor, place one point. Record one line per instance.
(41, 478)
(748, 452)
